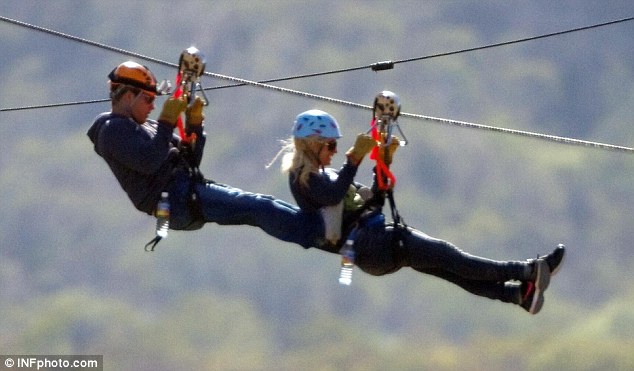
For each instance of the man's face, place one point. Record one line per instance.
(141, 106)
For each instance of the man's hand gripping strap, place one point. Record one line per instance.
(191, 66)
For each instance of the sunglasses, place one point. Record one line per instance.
(149, 99)
(332, 146)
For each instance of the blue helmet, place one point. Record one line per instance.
(316, 123)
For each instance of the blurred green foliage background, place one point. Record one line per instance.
(74, 278)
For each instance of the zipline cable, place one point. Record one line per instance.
(385, 65)
(379, 66)
(86, 41)
(517, 41)
(375, 66)
(541, 136)
(155, 60)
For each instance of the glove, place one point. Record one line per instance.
(391, 148)
(352, 200)
(362, 146)
(194, 114)
(171, 109)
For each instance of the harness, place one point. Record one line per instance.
(191, 66)
(386, 110)
(193, 203)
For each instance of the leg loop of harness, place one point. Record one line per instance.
(195, 208)
(398, 236)
(399, 244)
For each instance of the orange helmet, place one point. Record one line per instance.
(133, 74)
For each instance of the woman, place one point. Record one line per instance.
(382, 249)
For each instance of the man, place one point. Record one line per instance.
(148, 159)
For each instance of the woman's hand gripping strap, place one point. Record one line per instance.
(385, 179)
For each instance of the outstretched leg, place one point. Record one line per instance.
(528, 294)
(481, 276)
(386, 249)
(430, 255)
(227, 205)
(507, 292)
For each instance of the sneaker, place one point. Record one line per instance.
(533, 289)
(531, 301)
(555, 259)
(540, 276)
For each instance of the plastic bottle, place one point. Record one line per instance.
(163, 215)
(347, 261)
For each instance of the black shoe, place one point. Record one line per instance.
(533, 290)
(555, 259)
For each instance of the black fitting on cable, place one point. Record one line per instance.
(381, 66)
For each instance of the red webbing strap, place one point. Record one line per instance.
(384, 177)
(186, 139)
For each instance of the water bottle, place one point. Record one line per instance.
(347, 262)
(163, 215)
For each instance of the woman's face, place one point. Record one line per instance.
(325, 151)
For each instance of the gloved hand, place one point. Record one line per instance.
(352, 200)
(171, 109)
(362, 146)
(391, 148)
(194, 114)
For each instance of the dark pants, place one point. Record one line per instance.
(385, 249)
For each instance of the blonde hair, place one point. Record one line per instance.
(297, 157)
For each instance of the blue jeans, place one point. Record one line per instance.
(226, 205)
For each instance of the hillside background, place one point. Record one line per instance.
(74, 278)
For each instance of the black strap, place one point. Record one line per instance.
(399, 244)
(153, 243)
(400, 228)
(396, 217)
